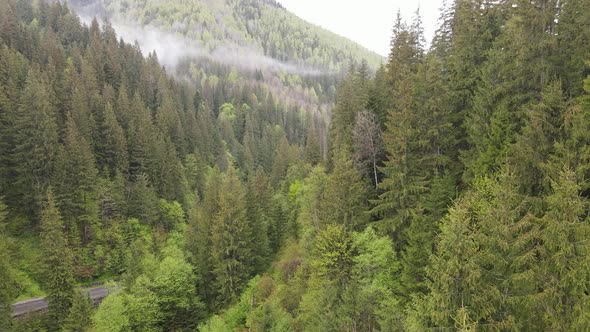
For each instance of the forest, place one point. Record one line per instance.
(443, 190)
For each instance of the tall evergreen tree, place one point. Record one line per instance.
(562, 269)
(57, 264)
(75, 182)
(403, 178)
(231, 237)
(7, 278)
(506, 85)
(343, 201)
(113, 150)
(80, 316)
(482, 271)
(35, 143)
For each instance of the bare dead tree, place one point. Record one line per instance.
(367, 142)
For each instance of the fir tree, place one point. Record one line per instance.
(35, 143)
(57, 264)
(231, 237)
(80, 316)
(75, 182)
(7, 278)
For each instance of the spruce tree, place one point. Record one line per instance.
(198, 239)
(562, 269)
(57, 264)
(231, 237)
(75, 182)
(113, 147)
(143, 201)
(404, 176)
(483, 269)
(35, 143)
(7, 278)
(343, 201)
(507, 85)
(80, 316)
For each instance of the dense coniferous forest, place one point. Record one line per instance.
(449, 193)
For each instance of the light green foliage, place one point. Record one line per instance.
(214, 324)
(141, 306)
(310, 200)
(80, 317)
(110, 315)
(171, 215)
(344, 200)
(270, 317)
(161, 297)
(334, 251)
(174, 284)
(564, 257)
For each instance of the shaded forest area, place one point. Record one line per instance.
(452, 195)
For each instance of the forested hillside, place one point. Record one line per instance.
(467, 209)
(261, 26)
(450, 192)
(108, 165)
(222, 46)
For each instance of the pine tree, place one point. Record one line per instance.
(571, 54)
(80, 316)
(562, 268)
(57, 264)
(35, 143)
(507, 85)
(533, 147)
(113, 150)
(143, 202)
(258, 205)
(484, 261)
(198, 240)
(313, 151)
(75, 182)
(231, 236)
(343, 201)
(7, 278)
(140, 139)
(404, 177)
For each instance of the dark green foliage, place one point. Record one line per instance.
(75, 181)
(143, 202)
(231, 237)
(8, 289)
(35, 143)
(57, 264)
(113, 153)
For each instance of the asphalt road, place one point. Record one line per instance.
(38, 304)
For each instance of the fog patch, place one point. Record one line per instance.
(171, 48)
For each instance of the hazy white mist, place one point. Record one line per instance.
(171, 48)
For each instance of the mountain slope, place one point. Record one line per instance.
(262, 26)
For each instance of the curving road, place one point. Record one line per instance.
(38, 304)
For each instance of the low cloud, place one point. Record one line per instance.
(172, 48)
